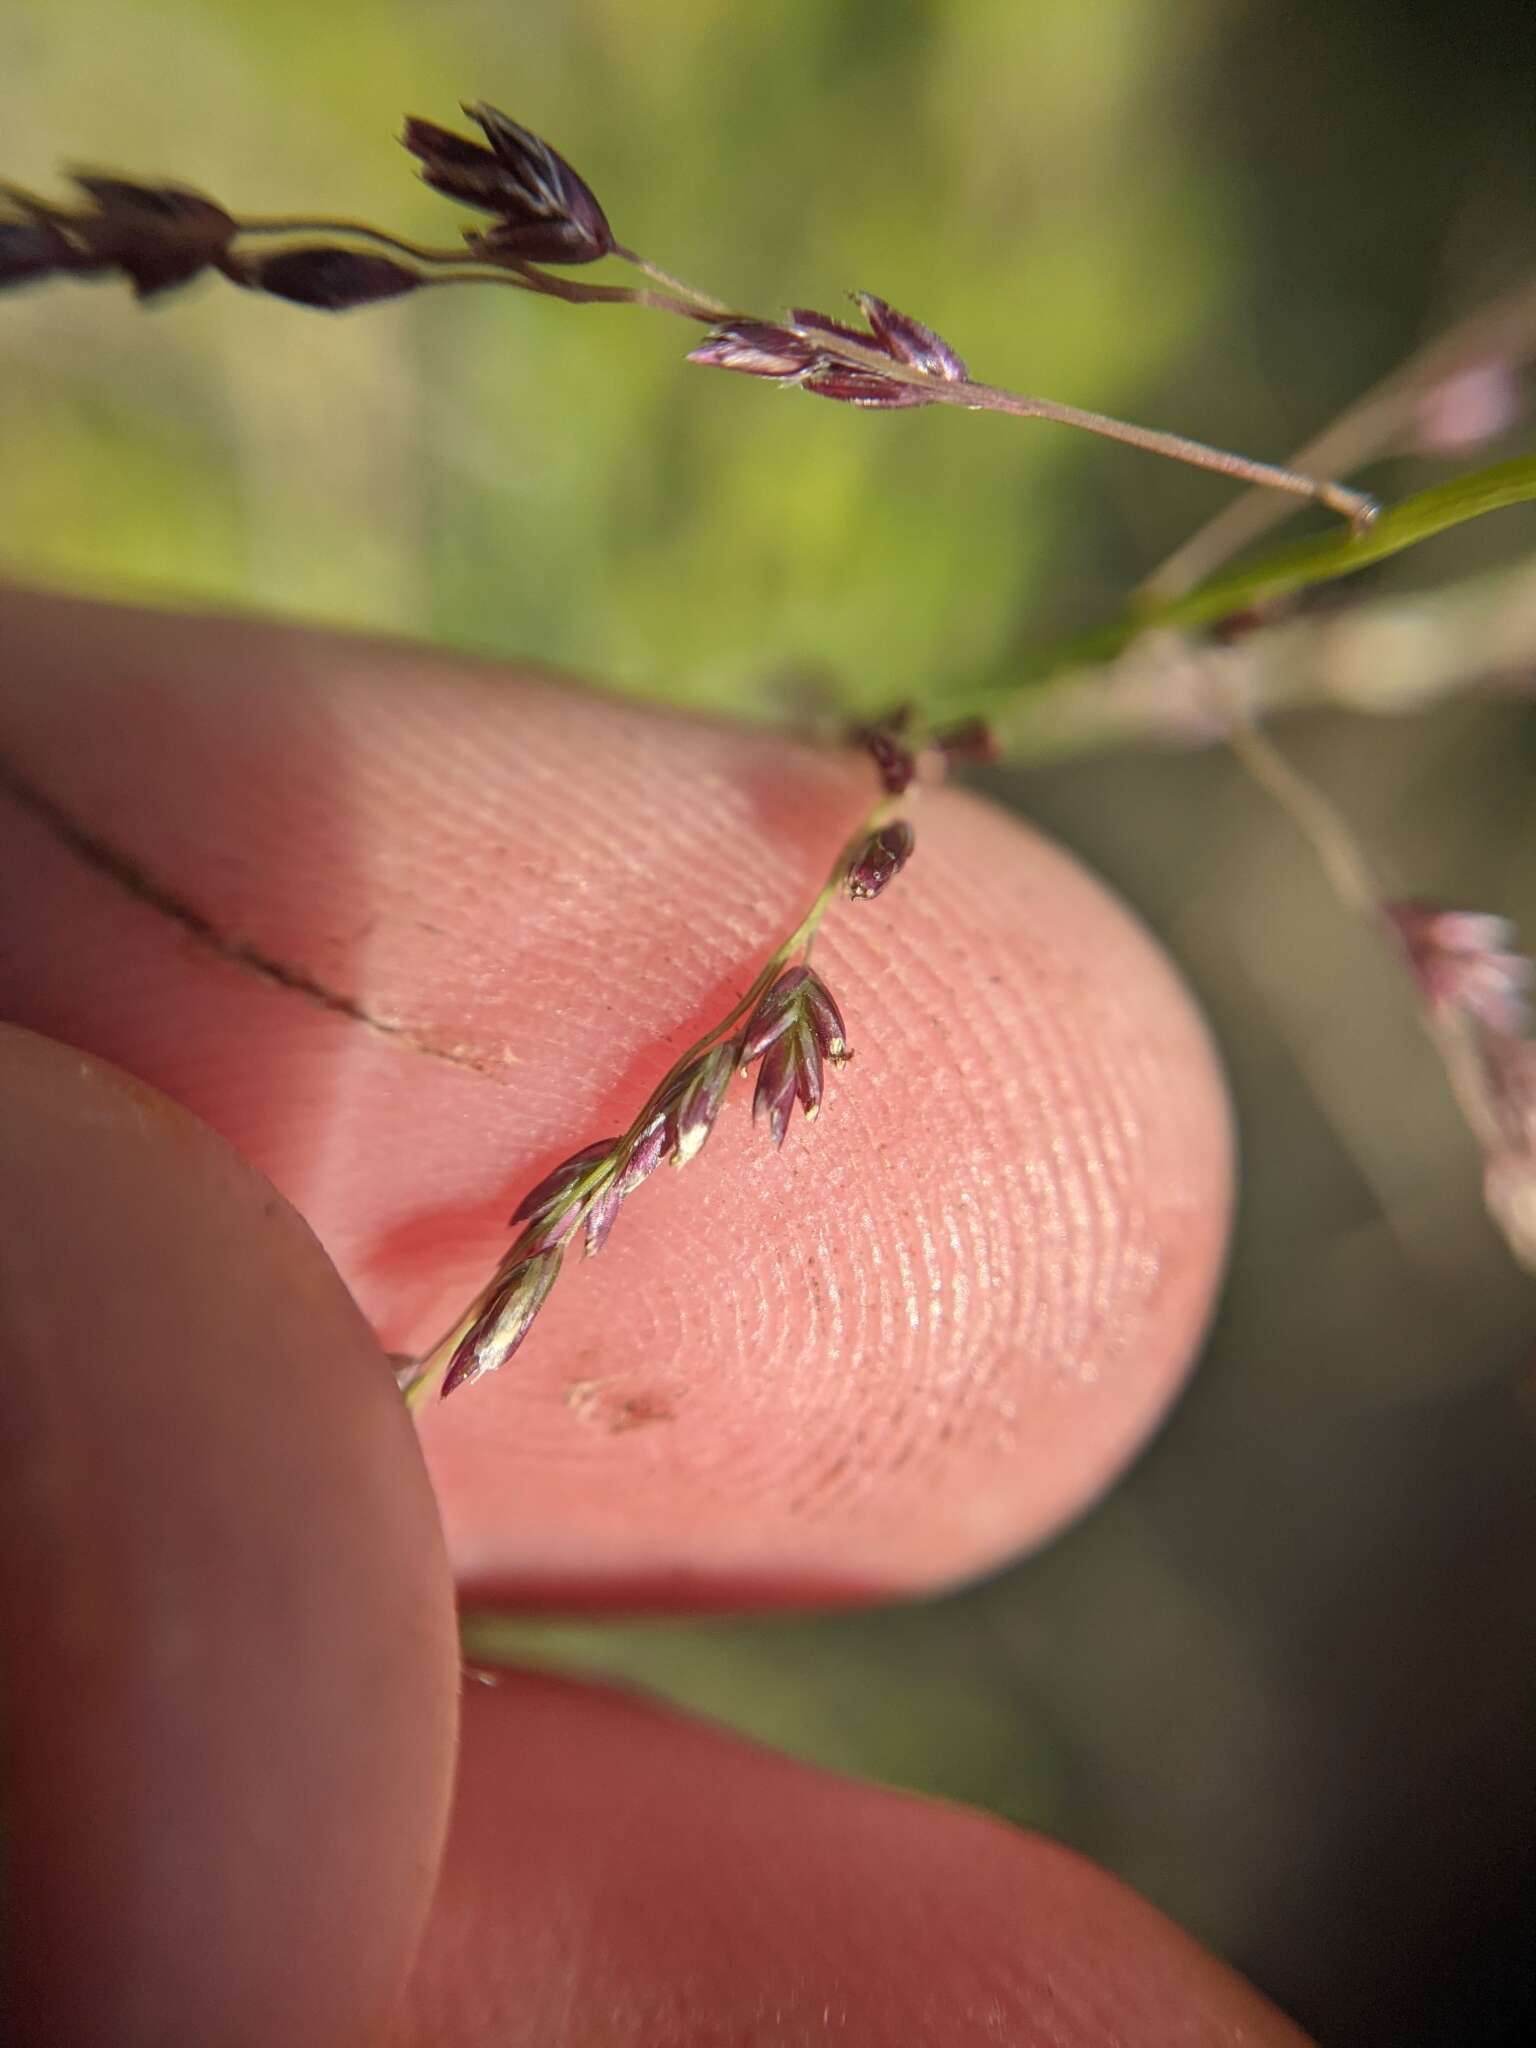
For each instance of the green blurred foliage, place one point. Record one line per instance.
(555, 482)
(945, 1726)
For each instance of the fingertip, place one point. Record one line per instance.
(624, 1878)
(925, 1332)
(409, 931)
(229, 1680)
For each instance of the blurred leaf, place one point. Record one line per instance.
(1300, 566)
(838, 1691)
(1341, 554)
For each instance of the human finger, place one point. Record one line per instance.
(229, 1674)
(408, 930)
(621, 1877)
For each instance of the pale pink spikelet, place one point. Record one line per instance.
(909, 341)
(1465, 960)
(755, 348)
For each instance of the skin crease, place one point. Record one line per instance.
(917, 1341)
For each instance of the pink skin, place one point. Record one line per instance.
(678, 1886)
(912, 1344)
(228, 1687)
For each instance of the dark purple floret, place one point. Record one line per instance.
(554, 1229)
(775, 1013)
(858, 386)
(330, 279)
(546, 212)
(504, 1321)
(646, 1155)
(774, 1096)
(791, 1072)
(756, 348)
(32, 249)
(552, 189)
(799, 998)
(880, 859)
(814, 352)
(602, 1216)
(971, 740)
(909, 341)
(1239, 625)
(558, 1183)
(156, 235)
(893, 758)
(452, 163)
(826, 1021)
(808, 1071)
(697, 1101)
(802, 316)
(532, 241)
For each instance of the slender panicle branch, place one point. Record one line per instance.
(1472, 987)
(1355, 506)
(1502, 334)
(543, 214)
(539, 222)
(702, 303)
(289, 225)
(785, 1020)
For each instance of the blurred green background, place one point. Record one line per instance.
(1282, 1679)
